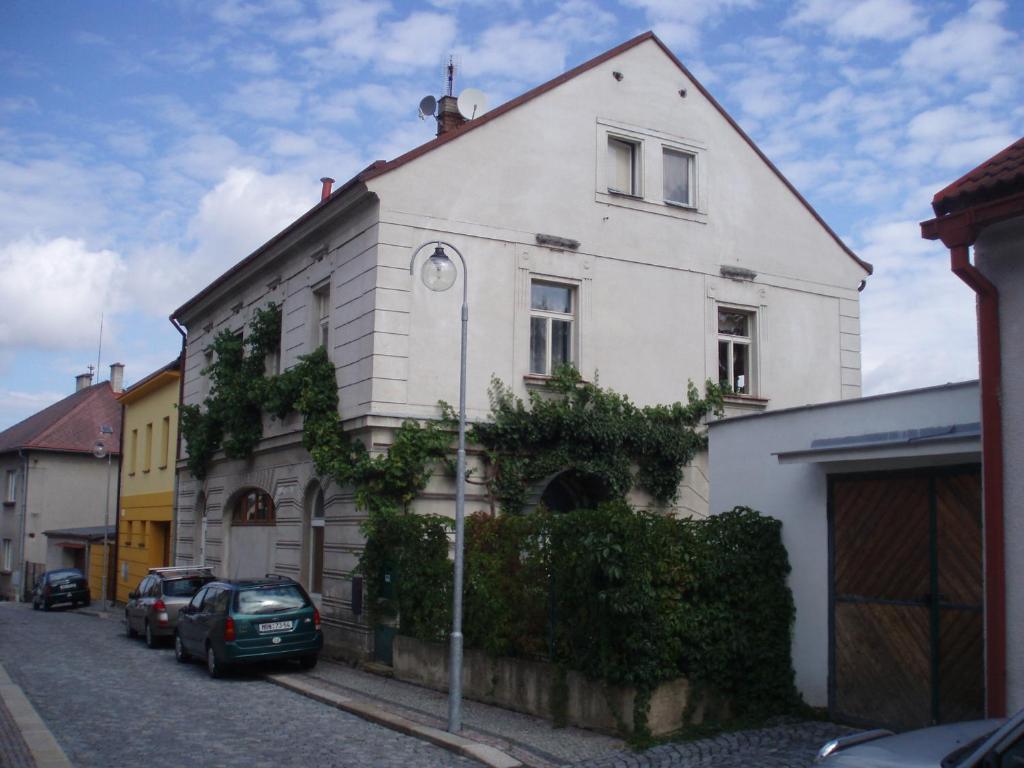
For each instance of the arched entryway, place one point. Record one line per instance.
(573, 489)
(251, 521)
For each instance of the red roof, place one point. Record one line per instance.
(72, 424)
(380, 167)
(998, 177)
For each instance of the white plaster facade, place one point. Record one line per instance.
(999, 255)
(748, 470)
(646, 281)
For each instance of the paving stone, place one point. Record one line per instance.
(111, 701)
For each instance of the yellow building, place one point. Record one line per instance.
(150, 441)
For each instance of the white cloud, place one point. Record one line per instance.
(274, 99)
(918, 322)
(53, 291)
(863, 19)
(679, 24)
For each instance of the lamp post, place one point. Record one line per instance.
(99, 450)
(438, 274)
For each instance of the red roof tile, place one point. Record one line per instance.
(72, 424)
(998, 177)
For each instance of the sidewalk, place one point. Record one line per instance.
(25, 741)
(422, 712)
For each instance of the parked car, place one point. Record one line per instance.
(249, 620)
(973, 744)
(66, 585)
(153, 606)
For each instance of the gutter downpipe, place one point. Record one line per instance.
(958, 232)
(19, 594)
(177, 450)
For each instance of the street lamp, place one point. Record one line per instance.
(99, 450)
(438, 274)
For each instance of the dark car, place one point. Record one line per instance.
(249, 620)
(972, 744)
(66, 585)
(153, 606)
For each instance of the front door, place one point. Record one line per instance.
(906, 640)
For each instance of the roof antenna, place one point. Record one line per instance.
(449, 69)
(99, 349)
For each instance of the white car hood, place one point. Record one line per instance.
(915, 749)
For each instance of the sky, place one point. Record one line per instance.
(145, 147)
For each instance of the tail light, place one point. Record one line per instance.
(161, 610)
(316, 619)
(229, 629)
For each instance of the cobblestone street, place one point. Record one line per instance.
(110, 701)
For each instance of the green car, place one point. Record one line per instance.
(249, 620)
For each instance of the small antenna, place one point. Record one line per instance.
(99, 349)
(450, 69)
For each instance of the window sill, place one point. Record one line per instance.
(653, 205)
(543, 379)
(744, 403)
(253, 523)
(627, 195)
(683, 206)
(10, 503)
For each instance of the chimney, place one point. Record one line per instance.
(117, 377)
(448, 115)
(82, 381)
(327, 181)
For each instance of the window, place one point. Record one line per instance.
(677, 175)
(134, 452)
(253, 507)
(735, 350)
(11, 486)
(272, 362)
(623, 166)
(5, 555)
(316, 555)
(165, 441)
(147, 456)
(322, 317)
(552, 316)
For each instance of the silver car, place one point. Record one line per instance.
(973, 744)
(153, 606)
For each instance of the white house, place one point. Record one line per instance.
(985, 209)
(615, 217)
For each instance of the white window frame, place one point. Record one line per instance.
(11, 486)
(636, 163)
(320, 317)
(691, 183)
(572, 317)
(749, 341)
(317, 518)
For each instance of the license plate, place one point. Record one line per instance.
(275, 626)
(67, 586)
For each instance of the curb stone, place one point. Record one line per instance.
(460, 745)
(45, 750)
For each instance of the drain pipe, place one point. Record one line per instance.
(958, 233)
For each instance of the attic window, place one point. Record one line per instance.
(678, 175)
(623, 165)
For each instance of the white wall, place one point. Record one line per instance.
(745, 471)
(1000, 255)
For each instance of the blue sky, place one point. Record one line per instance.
(147, 146)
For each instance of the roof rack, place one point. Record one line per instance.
(184, 569)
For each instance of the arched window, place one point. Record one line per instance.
(316, 555)
(253, 507)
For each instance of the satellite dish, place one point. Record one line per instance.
(427, 106)
(472, 103)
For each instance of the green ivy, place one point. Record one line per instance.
(597, 433)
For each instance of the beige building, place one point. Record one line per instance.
(146, 506)
(615, 217)
(53, 481)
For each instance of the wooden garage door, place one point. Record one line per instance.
(906, 644)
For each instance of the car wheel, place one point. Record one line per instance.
(179, 649)
(150, 639)
(308, 662)
(46, 605)
(213, 666)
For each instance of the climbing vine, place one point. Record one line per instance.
(597, 433)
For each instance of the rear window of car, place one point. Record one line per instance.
(273, 599)
(70, 573)
(184, 587)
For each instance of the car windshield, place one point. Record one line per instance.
(184, 587)
(68, 573)
(275, 599)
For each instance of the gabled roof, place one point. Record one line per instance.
(155, 380)
(999, 176)
(72, 424)
(381, 167)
